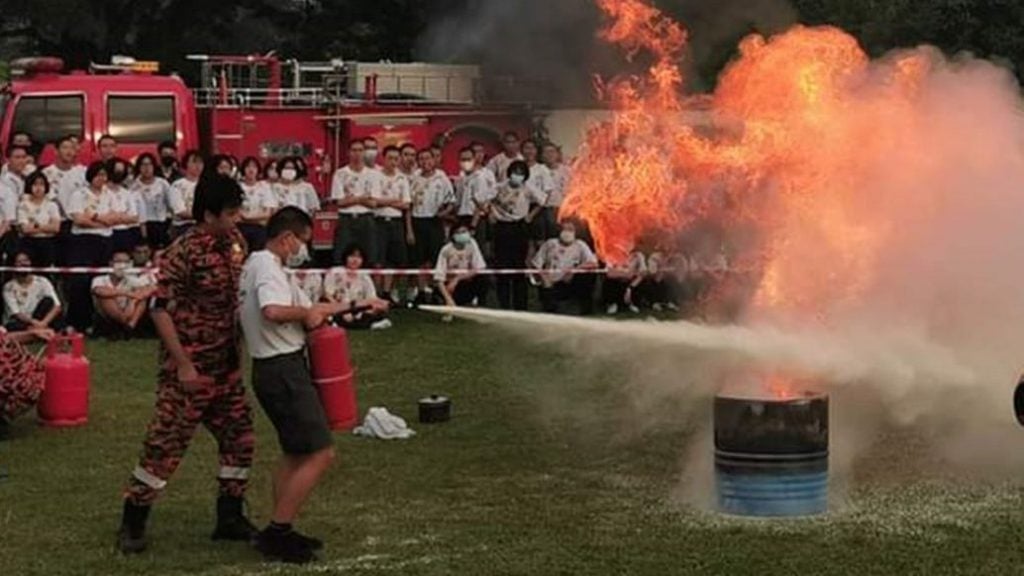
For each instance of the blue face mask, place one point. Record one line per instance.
(461, 238)
(516, 180)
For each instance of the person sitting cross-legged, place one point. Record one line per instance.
(352, 285)
(31, 303)
(120, 298)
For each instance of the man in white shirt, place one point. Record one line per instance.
(500, 163)
(120, 298)
(65, 175)
(12, 188)
(394, 203)
(477, 188)
(409, 157)
(275, 316)
(30, 302)
(371, 153)
(356, 189)
(548, 218)
(433, 201)
(559, 257)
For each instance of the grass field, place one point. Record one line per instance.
(513, 485)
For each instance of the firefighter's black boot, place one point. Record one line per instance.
(231, 521)
(131, 538)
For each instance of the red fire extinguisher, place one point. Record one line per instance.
(65, 399)
(334, 376)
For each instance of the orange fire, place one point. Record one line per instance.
(776, 158)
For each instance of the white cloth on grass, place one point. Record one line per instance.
(383, 425)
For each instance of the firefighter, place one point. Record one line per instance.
(195, 312)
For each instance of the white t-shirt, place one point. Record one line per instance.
(499, 164)
(560, 179)
(12, 188)
(553, 255)
(263, 283)
(129, 282)
(302, 195)
(259, 198)
(513, 204)
(476, 190)
(125, 201)
(312, 283)
(347, 287)
(430, 194)
(45, 213)
(180, 198)
(393, 188)
(23, 299)
(154, 197)
(347, 183)
(63, 183)
(453, 258)
(540, 182)
(85, 201)
(635, 266)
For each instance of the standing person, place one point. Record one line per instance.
(371, 152)
(153, 192)
(548, 218)
(409, 165)
(391, 224)
(438, 153)
(477, 189)
(356, 189)
(293, 189)
(458, 270)
(93, 218)
(38, 221)
(195, 311)
(168, 169)
(258, 204)
(542, 185)
(30, 302)
(511, 212)
(352, 287)
(559, 257)
(182, 194)
(224, 165)
(66, 175)
(127, 205)
(433, 201)
(12, 187)
(107, 147)
(501, 162)
(275, 316)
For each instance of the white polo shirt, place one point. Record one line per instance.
(64, 183)
(85, 201)
(347, 183)
(24, 298)
(180, 198)
(264, 282)
(430, 194)
(394, 187)
(155, 207)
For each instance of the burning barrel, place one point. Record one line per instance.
(771, 455)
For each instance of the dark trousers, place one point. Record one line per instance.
(126, 240)
(45, 306)
(391, 248)
(511, 247)
(579, 289)
(158, 234)
(358, 230)
(87, 250)
(429, 234)
(42, 251)
(255, 236)
(64, 243)
(614, 291)
(472, 289)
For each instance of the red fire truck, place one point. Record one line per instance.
(265, 107)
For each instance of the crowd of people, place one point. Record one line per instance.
(397, 209)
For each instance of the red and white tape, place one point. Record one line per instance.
(72, 270)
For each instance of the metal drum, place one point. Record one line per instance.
(771, 455)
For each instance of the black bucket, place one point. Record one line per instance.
(771, 455)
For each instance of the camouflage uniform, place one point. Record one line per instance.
(21, 379)
(198, 286)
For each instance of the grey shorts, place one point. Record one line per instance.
(285, 390)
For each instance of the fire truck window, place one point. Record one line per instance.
(141, 120)
(48, 118)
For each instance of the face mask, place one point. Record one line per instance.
(370, 156)
(168, 161)
(467, 166)
(516, 180)
(289, 174)
(119, 269)
(299, 258)
(461, 239)
(567, 237)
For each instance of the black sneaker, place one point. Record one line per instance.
(232, 525)
(129, 543)
(313, 543)
(131, 538)
(287, 547)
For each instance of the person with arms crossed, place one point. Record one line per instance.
(356, 189)
(195, 313)
(433, 202)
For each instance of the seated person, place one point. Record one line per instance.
(121, 298)
(21, 375)
(353, 286)
(667, 274)
(31, 303)
(310, 282)
(557, 257)
(622, 284)
(457, 271)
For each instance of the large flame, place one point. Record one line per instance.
(777, 157)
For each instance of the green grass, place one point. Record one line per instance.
(540, 472)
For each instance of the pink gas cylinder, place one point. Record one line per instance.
(65, 399)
